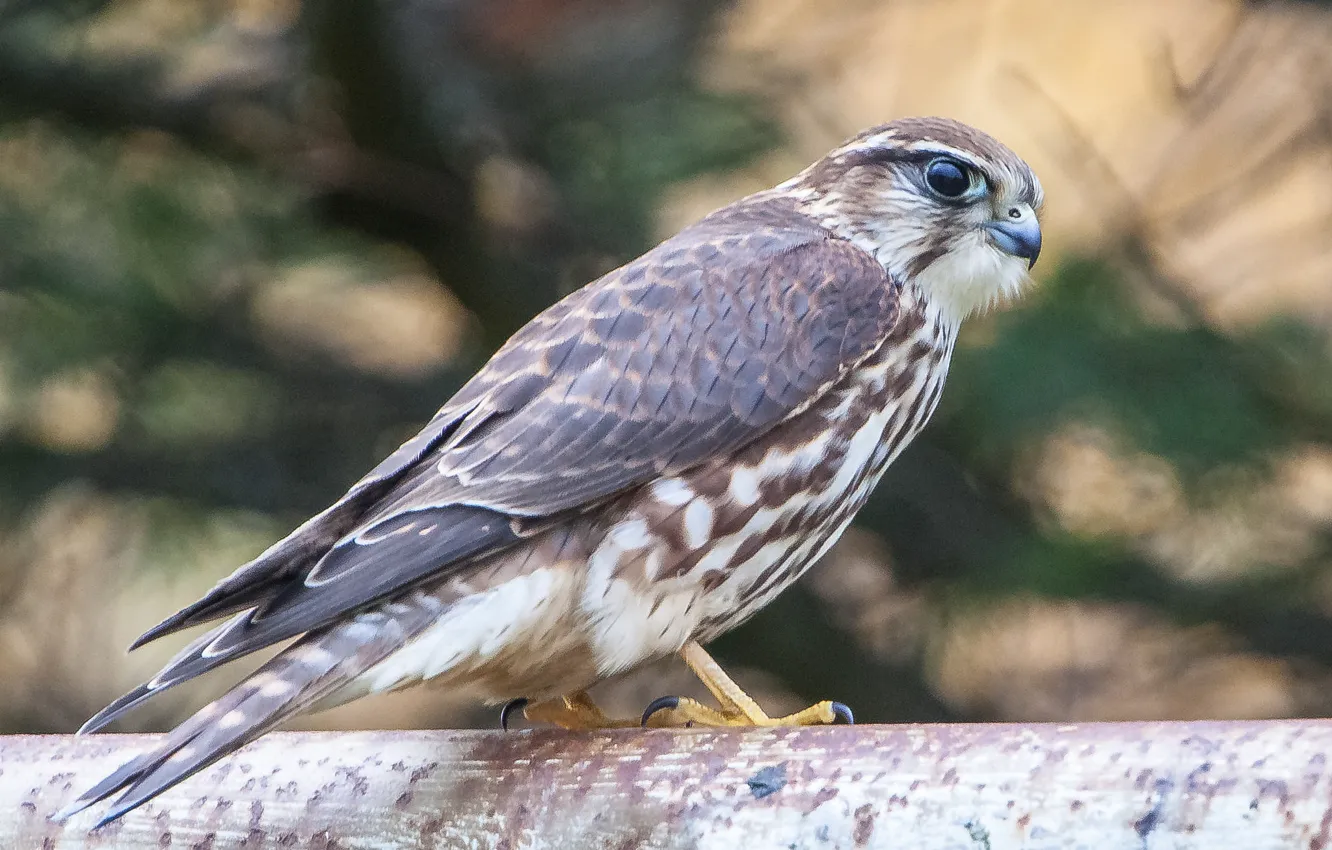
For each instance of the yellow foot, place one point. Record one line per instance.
(575, 711)
(737, 707)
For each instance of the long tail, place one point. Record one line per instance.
(310, 670)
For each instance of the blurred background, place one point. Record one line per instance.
(248, 246)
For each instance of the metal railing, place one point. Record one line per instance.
(1249, 785)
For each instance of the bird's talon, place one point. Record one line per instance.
(842, 713)
(509, 708)
(658, 704)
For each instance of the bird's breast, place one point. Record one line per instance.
(695, 554)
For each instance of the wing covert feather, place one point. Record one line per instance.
(769, 327)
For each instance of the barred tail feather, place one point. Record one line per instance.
(312, 669)
(182, 667)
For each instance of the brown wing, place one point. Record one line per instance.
(686, 354)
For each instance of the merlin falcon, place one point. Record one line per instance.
(638, 470)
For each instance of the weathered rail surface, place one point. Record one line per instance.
(1109, 785)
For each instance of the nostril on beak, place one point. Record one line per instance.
(1020, 237)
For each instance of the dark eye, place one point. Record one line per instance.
(948, 178)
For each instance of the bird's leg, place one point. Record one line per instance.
(737, 707)
(734, 701)
(575, 711)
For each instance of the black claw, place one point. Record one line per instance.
(657, 705)
(842, 713)
(509, 708)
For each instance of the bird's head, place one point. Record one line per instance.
(941, 204)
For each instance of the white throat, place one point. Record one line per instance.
(971, 278)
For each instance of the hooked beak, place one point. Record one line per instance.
(1020, 237)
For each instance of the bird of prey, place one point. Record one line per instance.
(636, 471)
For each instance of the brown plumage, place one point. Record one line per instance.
(646, 463)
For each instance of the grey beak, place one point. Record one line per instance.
(1019, 238)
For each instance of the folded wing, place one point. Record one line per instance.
(684, 355)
